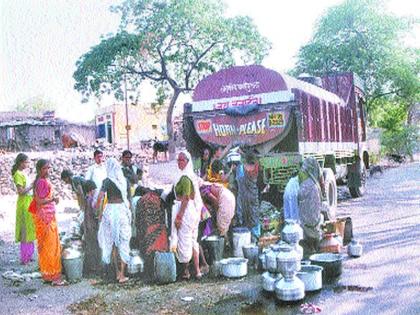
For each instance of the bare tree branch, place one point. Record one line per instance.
(383, 94)
(194, 64)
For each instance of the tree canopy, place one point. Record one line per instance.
(363, 37)
(172, 43)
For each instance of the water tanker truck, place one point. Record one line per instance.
(285, 120)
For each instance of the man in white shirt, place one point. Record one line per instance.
(97, 171)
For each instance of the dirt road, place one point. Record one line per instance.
(385, 280)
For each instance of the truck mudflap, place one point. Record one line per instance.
(252, 129)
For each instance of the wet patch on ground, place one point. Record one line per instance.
(354, 288)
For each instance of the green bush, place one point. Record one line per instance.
(403, 142)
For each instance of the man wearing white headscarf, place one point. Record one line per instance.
(115, 227)
(186, 214)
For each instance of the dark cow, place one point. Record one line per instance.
(160, 146)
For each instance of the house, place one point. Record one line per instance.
(22, 132)
(144, 123)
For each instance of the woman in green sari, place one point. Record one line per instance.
(309, 199)
(25, 229)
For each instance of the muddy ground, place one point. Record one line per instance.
(385, 280)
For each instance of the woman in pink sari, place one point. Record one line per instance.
(49, 248)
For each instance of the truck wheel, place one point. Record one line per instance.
(330, 187)
(357, 192)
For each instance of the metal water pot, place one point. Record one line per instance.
(288, 261)
(271, 258)
(251, 253)
(136, 264)
(292, 289)
(299, 250)
(261, 259)
(354, 249)
(292, 233)
(269, 281)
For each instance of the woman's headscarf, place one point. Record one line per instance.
(311, 168)
(115, 174)
(189, 172)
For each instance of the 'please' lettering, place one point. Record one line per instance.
(256, 127)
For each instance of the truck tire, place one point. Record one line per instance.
(357, 192)
(330, 187)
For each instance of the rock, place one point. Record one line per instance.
(76, 160)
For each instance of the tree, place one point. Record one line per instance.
(35, 105)
(173, 43)
(361, 36)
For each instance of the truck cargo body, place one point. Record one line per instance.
(283, 118)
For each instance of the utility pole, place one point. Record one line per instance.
(127, 126)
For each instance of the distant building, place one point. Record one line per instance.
(23, 132)
(144, 124)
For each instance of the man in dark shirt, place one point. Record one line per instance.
(78, 184)
(133, 174)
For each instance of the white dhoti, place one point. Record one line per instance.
(115, 229)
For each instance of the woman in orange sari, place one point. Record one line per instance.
(49, 249)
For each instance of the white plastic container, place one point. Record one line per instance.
(241, 237)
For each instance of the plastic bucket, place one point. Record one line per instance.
(73, 268)
(164, 267)
(241, 237)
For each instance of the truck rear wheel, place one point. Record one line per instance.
(357, 192)
(330, 187)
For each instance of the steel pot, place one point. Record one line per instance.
(215, 247)
(251, 253)
(290, 289)
(311, 277)
(261, 260)
(292, 233)
(269, 281)
(354, 249)
(234, 267)
(136, 263)
(332, 264)
(271, 258)
(288, 261)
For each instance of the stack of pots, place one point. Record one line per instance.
(282, 261)
(290, 288)
(268, 261)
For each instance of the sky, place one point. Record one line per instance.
(41, 40)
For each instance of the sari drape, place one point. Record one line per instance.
(49, 248)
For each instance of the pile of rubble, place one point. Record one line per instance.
(75, 159)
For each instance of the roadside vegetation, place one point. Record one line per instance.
(363, 37)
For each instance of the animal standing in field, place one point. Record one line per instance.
(160, 147)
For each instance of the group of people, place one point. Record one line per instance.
(208, 196)
(35, 218)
